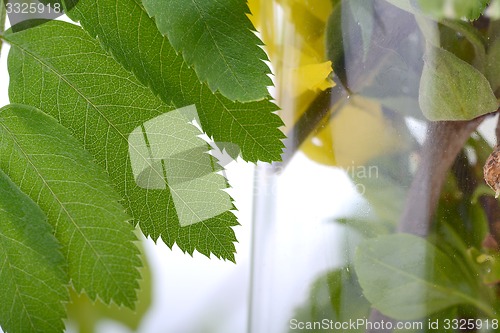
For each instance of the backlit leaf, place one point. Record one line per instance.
(112, 113)
(32, 269)
(451, 89)
(216, 38)
(51, 167)
(251, 126)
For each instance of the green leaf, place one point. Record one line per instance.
(493, 65)
(216, 38)
(160, 159)
(334, 40)
(435, 8)
(450, 242)
(86, 314)
(251, 126)
(363, 13)
(451, 89)
(489, 264)
(366, 227)
(406, 277)
(439, 9)
(32, 271)
(456, 216)
(334, 296)
(471, 10)
(471, 34)
(346, 297)
(481, 189)
(52, 168)
(405, 5)
(111, 112)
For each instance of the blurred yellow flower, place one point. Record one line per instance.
(293, 32)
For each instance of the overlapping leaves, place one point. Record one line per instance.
(216, 37)
(67, 74)
(121, 80)
(52, 168)
(32, 277)
(251, 126)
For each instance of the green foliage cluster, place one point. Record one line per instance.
(69, 197)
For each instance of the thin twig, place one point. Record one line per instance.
(310, 120)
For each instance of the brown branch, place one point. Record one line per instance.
(444, 142)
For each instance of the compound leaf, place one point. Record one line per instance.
(216, 38)
(32, 269)
(138, 139)
(51, 167)
(253, 127)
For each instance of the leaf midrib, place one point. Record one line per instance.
(69, 83)
(63, 207)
